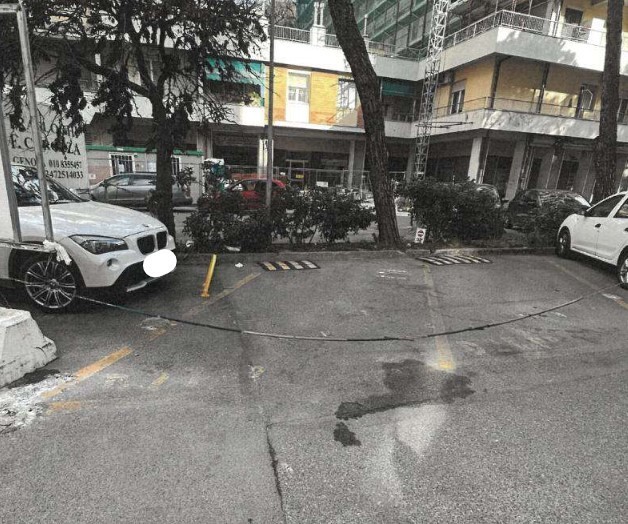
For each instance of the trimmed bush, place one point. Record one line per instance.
(337, 215)
(453, 211)
(223, 221)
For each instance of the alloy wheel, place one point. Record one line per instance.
(623, 272)
(50, 284)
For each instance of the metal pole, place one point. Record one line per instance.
(34, 114)
(271, 94)
(8, 177)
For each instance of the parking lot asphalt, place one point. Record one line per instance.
(168, 422)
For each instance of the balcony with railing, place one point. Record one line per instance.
(376, 48)
(527, 116)
(528, 36)
(528, 24)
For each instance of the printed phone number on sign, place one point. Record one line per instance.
(55, 173)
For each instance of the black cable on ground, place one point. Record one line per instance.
(339, 339)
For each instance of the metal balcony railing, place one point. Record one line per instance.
(376, 48)
(528, 107)
(292, 33)
(529, 24)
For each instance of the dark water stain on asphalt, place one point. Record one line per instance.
(345, 436)
(411, 383)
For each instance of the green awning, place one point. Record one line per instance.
(398, 88)
(242, 75)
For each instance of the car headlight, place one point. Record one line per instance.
(99, 245)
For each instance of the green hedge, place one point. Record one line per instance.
(298, 217)
(453, 211)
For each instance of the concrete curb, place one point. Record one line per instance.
(483, 251)
(233, 258)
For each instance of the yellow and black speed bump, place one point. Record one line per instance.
(286, 265)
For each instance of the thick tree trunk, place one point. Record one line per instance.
(605, 152)
(161, 204)
(367, 84)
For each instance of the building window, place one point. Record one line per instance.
(585, 101)
(535, 172)
(622, 112)
(347, 95)
(567, 177)
(298, 88)
(176, 166)
(416, 29)
(457, 98)
(121, 164)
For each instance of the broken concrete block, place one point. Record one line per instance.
(23, 347)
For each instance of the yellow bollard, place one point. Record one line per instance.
(208, 278)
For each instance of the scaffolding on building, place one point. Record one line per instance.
(430, 84)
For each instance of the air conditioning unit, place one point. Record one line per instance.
(446, 77)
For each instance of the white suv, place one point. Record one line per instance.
(600, 232)
(107, 245)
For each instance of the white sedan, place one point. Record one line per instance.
(600, 232)
(107, 245)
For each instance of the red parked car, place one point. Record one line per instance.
(253, 191)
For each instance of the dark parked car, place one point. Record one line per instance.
(490, 190)
(526, 203)
(134, 189)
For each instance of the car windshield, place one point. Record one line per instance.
(27, 190)
(568, 198)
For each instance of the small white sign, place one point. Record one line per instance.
(419, 236)
(322, 184)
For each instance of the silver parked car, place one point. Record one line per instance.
(134, 190)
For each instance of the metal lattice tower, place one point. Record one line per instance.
(430, 83)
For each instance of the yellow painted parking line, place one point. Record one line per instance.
(159, 380)
(69, 405)
(88, 371)
(235, 287)
(444, 356)
(219, 296)
(209, 277)
(269, 266)
(282, 265)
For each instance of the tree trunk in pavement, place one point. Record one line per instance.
(367, 85)
(605, 149)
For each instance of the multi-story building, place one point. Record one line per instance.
(517, 104)
(519, 95)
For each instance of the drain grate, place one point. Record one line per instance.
(450, 260)
(286, 265)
